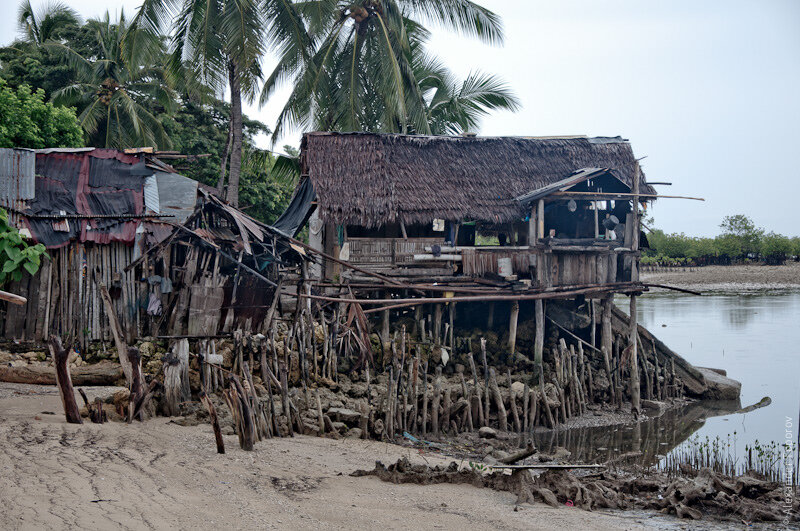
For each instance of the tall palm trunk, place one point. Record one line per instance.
(236, 146)
(223, 170)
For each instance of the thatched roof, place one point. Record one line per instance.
(370, 179)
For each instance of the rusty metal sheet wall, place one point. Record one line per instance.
(17, 180)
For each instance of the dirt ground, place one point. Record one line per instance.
(159, 475)
(737, 278)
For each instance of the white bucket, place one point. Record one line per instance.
(504, 267)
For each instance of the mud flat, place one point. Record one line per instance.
(729, 279)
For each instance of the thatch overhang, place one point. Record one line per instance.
(372, 179)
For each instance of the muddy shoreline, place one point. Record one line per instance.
(737, 279)
(161, 474)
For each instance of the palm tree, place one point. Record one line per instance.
(365, 72)
(114, 91)
(221, 42)
(455, 107)
(48, 24)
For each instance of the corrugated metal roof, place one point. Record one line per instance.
(17, 175)
(17, 181)
(177, 195)
(151, 201)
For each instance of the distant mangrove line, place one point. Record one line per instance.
(740, 241)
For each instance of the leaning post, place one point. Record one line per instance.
(634, 325)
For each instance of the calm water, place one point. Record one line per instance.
(755, 338)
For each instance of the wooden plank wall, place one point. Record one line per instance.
(576, 268)
(63, 299)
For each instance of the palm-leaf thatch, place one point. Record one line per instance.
(372, 179)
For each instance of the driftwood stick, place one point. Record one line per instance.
(116, 331)
(425, 401)
(100, 413)
(437, 389)
(319, 412)
(485, 381)
(513, 403)
(285, 399)
(248, 429)
(476, 389)
(446, 407)
(141, 401)
(525, 409)
(136, 382)
(502, 416)
(468, 413)
(60, 360)
(212, 413)
(519, 456)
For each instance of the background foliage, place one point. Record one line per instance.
(740, 240)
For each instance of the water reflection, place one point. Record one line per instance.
(755, 338)
(643, 443)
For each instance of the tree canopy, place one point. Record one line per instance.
(27, 121)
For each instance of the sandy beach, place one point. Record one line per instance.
(158, 475)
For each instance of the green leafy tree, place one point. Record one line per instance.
(16, 255)
(742, 228)
(728, 246)
(775, 248)
(118, 93)
(700, 248)
(796, 248)
(27, 121)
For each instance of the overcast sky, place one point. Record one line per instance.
(707, 91)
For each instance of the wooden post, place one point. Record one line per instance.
(385, 326)
(437, 324)
(532, 227)
(117, 332)
(636, 404)
(596, 221)
(64, 381)
(540, 219)
(538, 345)
(633, 335)
(606, 334)
(452, 316)
(212, 413)
(512, 327)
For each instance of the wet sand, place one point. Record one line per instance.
(729, 279)
(158, 475)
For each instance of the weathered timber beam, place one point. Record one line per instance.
(14, 299)
(608, 195)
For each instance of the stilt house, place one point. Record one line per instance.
(537, 212)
